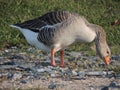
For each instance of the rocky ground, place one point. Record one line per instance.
(29, 68)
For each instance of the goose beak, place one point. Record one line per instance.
(107, 60)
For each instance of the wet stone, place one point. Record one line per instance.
(117, 76)
(9, 63)
(115, 57)
(24, 81)
(9, 76)
(105, 88)
(52, 86)
(101, 65)
(96, 73)
(110, 88)
(68, 72)
(80, 73)
(17, 57)
(113, 84)
(3, 67)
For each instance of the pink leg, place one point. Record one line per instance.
(52, 57)
(61, 58)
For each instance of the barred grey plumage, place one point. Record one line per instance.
(56, 30)
(50, 18)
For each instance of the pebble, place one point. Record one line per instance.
(80, 73)
(41, 70)
(6, 51)
(115, 57)
(68, 72)
(96, 73)
(24, 81)
(14, 47)
(9, 63)
(52, 86)
(7, 66)
(113, 84)
(16, 76)
(1, 58)
(74, 73)
(52, 74)
(35, 70)
(101, 65)
(117, 76)
(105, 88)
(75, 54)
(17, 57)
(48, 70)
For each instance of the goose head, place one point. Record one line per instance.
(102, 47)
(104, 52)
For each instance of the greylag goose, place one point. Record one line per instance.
(54, 31)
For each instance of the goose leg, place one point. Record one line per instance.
(61, 58)
(52, 57)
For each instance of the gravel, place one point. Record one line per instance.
(30, 68)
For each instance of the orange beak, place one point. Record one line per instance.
(107, 60)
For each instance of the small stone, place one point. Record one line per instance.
(44, 78)
(101, 65)
(117, 76)
(16, 76)
(48, 70)
(30, 77)
(91, 88)
(52, 86)
(41, 70)
(112, 84)
(80, 73)
(17, 57)
(1, 58)
(9, 76)
(14, 47)
(61, 70)
(52, 75)
(9, 63)
(24, 81)
(6, 51)
(3, 76)
(114, 88)
(75, 54)
(74, 72)
(68, 72)
(96, 73)
(105, 88)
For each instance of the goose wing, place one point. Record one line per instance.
(50, 18)
(47, 35)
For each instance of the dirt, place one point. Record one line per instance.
(30, 70)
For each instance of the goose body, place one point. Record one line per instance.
(54, 31)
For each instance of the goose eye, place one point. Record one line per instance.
(107, 52)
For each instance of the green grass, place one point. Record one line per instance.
(101, 12)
